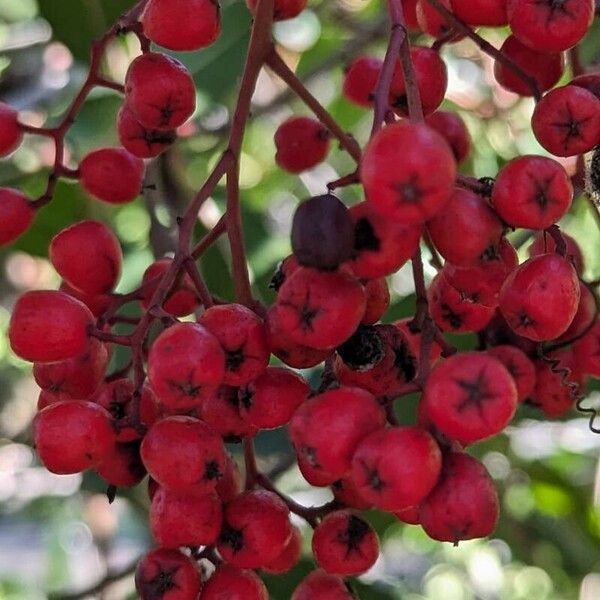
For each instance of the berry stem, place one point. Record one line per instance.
(250, 462)
(199, 283)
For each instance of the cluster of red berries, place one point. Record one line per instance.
(205, 382)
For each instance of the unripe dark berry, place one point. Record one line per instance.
(16, 215)
(10, 131)
(302, 143)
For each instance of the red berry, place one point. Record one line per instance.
(97, 304)
(453, 129)
(160, 91)
(48, 326)
(167, 575)
(589, 82)
(112, 175)
(539, 299)
(182, 24)
(550, 25)
(11, 135)
(16, 215)
(290, 556)
(519, 366)
(331, 451)
(284, 271)
(255, 531)
(185, 365)
(545, 244)
(302, 143)
(122, 466)
(414, 340)
(283, 9)
(546, 69)
(587, 352)
(396, 468)
(378, 298)
(410, 14)
(344, 544)
(360, 80)
(532, 192)
(464, 505)
(346, 493)
(243, 337)
(431, 21)
(321, 586)
(71, 437)
(185, 518)
(409, 191)
(231, 583)
(490, 13)
(47, 398)
(230, 484)
(479, 225)
(221, 410)
(584, 317)
(409, 515)
(138, 140)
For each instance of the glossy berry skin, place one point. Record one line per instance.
(302, 143)
(331, 449)
(122, 466)
(566, 121)
(520, 367)
(469, 397)
(138, 140)
(539, 299)
(319, 585)
(71, 437)
(16, 215)
(320, 309)
(49, 326)
(11, 135)
(381, 245)
(243, 337)
(164, 574)
(221, 410)
(360, 80)
(112, 175)
(270, 400)
(181, 452)
(545, 244)
(409, 192)
(344, 544)
(546, 69)
(587, 352)
(315, 475)
(532, 192)
(290, 556)
(550, 26)
(88, 256)
(414, 340)
(231, 583)
(182, 25)
(255, 531)
(584, 317)
(479, 225)
(159, 91)
(490, 13)
(431, 76)
(396, 468)
(283, 9)
(185, 365)
(185, 518)
(78, 377)
(453, 129)
(464, 505)
(378, 298)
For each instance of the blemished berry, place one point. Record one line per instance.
(185, 365)
(414, 340)
(159, 91)
(396, 468)
(346, 493)
(185, 518)
(243, 337)
(431, 21)
(410, 515)
(584, 317)
(545, 244)
(181, 452)
(330, 451)
(122, 466)
(290, 556)
(532, 192)
(221, 410)
(360, 80)
(49, 326)
(78, 377)
(230, 484)
(138, 140)
(545, 68)
(409, 191)
(539, 299)
(256, 529)
(97, 304)
(491, 13)
(112, 175)
(381, 245)
(431, 76)
(589, 82)
(231, 583)
(302, 143)
(182, 25)
(322, 233)
(16, 215)
(453, 129)
(88, 256)
(283, 9)
(566, 121)
(165, 574)
(71, 437)
(587, 352)
(464, 505)
(378, 298)
(469, 397)
(182, 300)
(479, 225)
(550, 25)
(320, 309)
(284, 271)
(319, 585)
(270, 400)
(11, 134)
(344, 544)
(520, 367)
